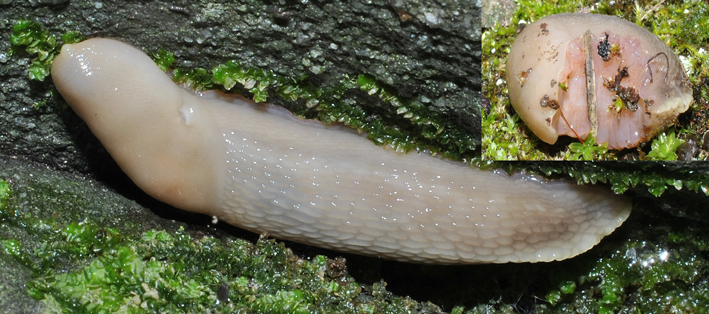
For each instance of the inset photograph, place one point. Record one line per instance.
(603, 81)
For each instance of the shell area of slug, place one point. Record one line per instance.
(574, 74)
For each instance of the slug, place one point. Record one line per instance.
(302, 181)
(574, 74)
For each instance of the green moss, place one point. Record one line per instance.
(553, 297)
(664, 147)
(40, 43)
(36, 41)
(620, 176)
(86, 268)
(164, 59)
(649, 273)
(567, 287)
(253, 80)
(588, 150)
(681, 25)
(654, 276)
(5, 194)
(176, 273)
(14, 248)
(199, 79)
(32, 38)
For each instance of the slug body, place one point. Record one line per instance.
(605, 75)
(301, 181)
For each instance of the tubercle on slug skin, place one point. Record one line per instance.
(314, 185)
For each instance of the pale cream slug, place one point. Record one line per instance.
(574, 74)
(308, 183)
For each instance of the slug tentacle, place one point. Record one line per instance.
(311, 184)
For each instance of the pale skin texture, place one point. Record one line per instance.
(550, 51)
(301, 181)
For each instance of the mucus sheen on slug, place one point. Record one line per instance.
(311, 184)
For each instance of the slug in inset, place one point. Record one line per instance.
(301, 181)
(572, 73)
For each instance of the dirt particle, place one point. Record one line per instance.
(522, 76)
(544, 102)
(547, 102)
(604, 49)
(545, 31)
(627, 96)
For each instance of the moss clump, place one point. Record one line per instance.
(5, 194)
(664, 147)
(83, 267)
(35, 40)
(176, 273)
(587, 150)
(255, 81)
(506, 138)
